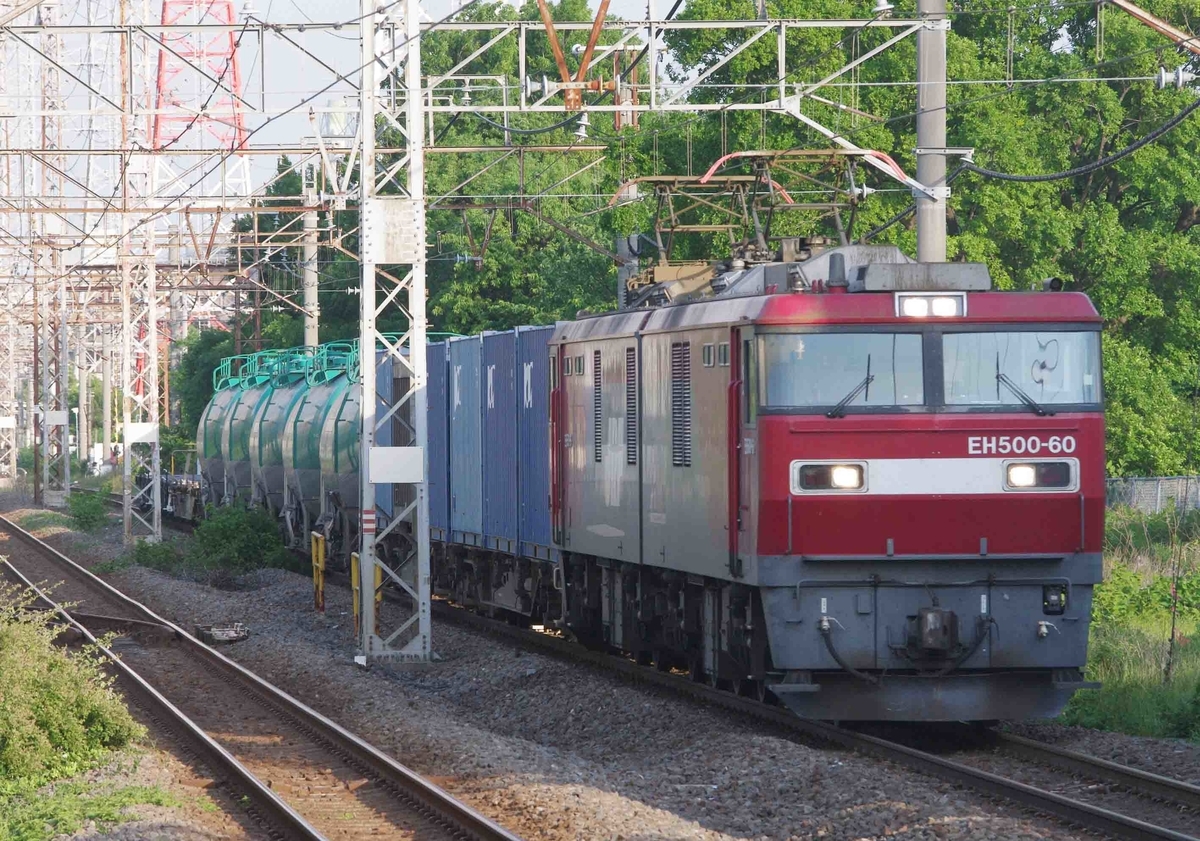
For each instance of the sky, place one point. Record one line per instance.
(290, 76)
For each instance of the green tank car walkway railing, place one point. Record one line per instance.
(317, 365)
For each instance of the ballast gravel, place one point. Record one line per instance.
(555, 750)
(1175, 758)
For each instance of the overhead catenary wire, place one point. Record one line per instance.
(308, 99)
(1084, 169)
(226, 155)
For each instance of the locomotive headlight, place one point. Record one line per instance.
(925, 304)
(1038, 475)
(828, 477)
(846, 476)
(1021, 475)
(944, 307)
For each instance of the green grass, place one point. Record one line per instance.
(88, 512)
(115, 565)
(44, 519)
(1129, 657)
(1152, 565)
(231, 542)
(103, 482)
(33, 812)
(59, 717)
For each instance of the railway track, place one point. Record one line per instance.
(1081, 790)
(117, 500)
(305, 776)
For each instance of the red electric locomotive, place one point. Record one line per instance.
(870, 487)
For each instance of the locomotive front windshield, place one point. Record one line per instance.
(991, 369)
(981, 369)
(822, 369)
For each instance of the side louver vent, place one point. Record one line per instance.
(631, 406)
(597, 409)
(681, 404)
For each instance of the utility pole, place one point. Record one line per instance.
(106, 374)
(309, 278)
(177, 332)
(931, 131)
(30, 412)
(83, 442)
(37, 395)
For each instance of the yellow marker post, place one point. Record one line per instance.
(318, 568)
(355, 591)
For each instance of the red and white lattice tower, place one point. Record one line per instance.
(198, 102)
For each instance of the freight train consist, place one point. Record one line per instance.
(867, 487)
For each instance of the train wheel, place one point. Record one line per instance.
(661, 660)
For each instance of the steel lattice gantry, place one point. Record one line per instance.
(392, 208)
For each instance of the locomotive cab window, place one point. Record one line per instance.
(840, 371)
(1035, 368)
(749, 383)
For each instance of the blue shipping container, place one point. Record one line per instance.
(500, 467)
(438, 479)
(466, 457)
(533, 411)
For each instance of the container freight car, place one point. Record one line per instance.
(437, 480)
(499, 455)
(466, 441)
(863, 487)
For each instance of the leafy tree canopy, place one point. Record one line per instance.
(1125, 234)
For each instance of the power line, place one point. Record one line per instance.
(1084, 169)
(225, 156)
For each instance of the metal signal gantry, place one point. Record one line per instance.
(392, 219)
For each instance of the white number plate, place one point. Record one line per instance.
(1027, 445)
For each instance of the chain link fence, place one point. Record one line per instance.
(1154, 494)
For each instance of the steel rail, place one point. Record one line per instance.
(450, 810)
(219, 759)
(1145, 782)
(1070, 810)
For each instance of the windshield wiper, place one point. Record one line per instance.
(839, 411)
(1034, 406)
